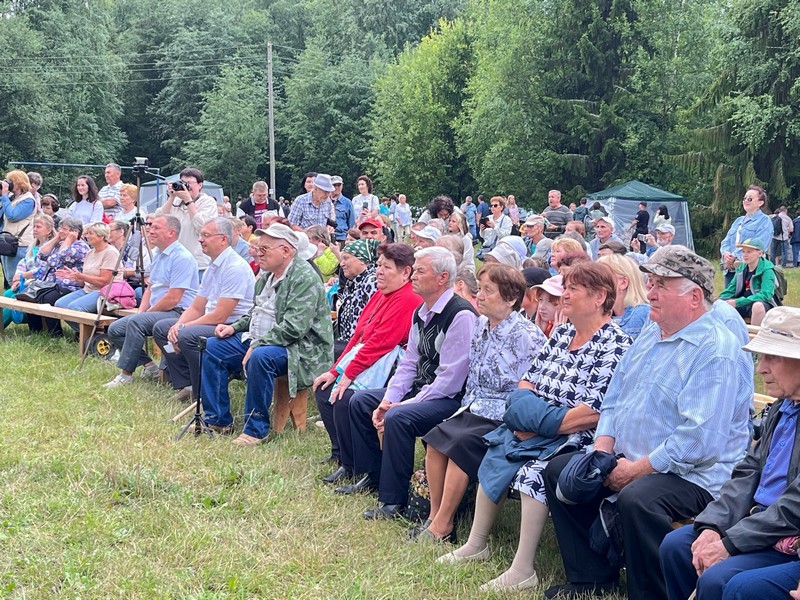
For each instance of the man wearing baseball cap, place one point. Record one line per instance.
(677, 412)
(314, 208)
(343, 207)
(745, 542)
(604, 230)
(752, 290)
(372, 229)
(665, 233)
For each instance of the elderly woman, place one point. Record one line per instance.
(753, 225)
(752, 291)
(457, 225)
(383, 325)
(631, 309)
(358, 268)
(128, 247)
(85, 205)
(557, 407)
(494, 227)
(503, 346)
(17, 207)
(65, 249)
(98, 271)
(455, 244)
(128, 195)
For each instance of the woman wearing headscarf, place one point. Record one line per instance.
(358, 286)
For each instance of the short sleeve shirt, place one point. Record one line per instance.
(229, 276)
(98, 261)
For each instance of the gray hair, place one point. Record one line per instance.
(172, 223)
(260, 186)
(115, 166)
(442, 261)
(99, 228)
(72, 224)
(225, 227)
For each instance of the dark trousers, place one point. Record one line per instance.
(53, 325)
(765, 575)
(183, 368)
(403, 424)
(336, 418)
(647, 508)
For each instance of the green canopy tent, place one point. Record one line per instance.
(622, 203)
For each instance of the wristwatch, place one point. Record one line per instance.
(189, 202)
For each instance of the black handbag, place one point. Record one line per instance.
(35, 290)
(9, 243)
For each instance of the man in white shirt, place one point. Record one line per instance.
(109, 193)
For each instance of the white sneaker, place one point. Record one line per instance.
(118, 380)
(114, 357)
(151, 372)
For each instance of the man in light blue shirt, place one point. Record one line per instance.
(677, 414)
(225, 295)
(172, 288)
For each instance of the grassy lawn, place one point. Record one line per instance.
(99, 501)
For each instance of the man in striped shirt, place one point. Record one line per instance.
(676, 414)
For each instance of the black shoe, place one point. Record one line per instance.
(576, 591)
(330, 459)
(340, 475)
(365, 484)
(385, 511)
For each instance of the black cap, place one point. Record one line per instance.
(535, 276)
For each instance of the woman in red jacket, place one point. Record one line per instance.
(383, 325)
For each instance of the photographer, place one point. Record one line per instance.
(17, 213)
(193, 208)
(664, 236)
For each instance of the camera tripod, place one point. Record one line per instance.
(200, 426)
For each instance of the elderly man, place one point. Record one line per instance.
(109, 193)
(224, 296)
(744, 544)
(604, 230)
(676, 414)
(665, 233)
(556, 213)
(425, 389)
(343, 207)
(315, 207)
(193, 208)
(287, 332)
(173, 286)
(538, 245)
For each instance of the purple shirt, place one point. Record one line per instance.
(453, 359)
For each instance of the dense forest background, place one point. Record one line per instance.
(699, 97)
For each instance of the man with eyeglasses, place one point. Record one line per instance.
(225, 295)
(287, 331)
(172, 288)
(194, 209)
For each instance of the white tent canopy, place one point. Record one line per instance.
(622, 203)
(154, 193)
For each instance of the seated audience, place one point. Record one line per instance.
(560, 246)
(382, 326)
(372, 229)
(426, 388)
(424, 237)
(248, 228)
(530, 303)
(455, 244)
(548, 304)
(85, 204)
(172, 287)
(664, 236)
(466, 286)
(744, 544)
(324, 256)
(358, 268)
(42, 232)
(604, 231)
(538, 245)
(128, 247)
(631, 309)
(287, 331)
(458, 225)
(225, 295)
(557, 406)
(50, 207)
(440, 207)
(97, 272)
(675, 419)
(752, 290)
(502, 349)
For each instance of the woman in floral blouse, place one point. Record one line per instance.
(503, 346)
(567, 381)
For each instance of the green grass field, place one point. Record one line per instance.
(99, 501)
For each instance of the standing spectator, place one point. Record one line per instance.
(512, 210)
(780, 242)
(128, 197)
(754, 224)
(604, 230)
(556, 213)
(316, 207)
(365, 203)
(440, 207)
(796, 240)
(36, 184)
(640, 227)
(538, 245)
(193, 208)
(50, 206)
(17, 211)
(483, 212)
(109, 193)
(259, 205)
(402, 215)
(662, 217)
(85, 205)
(495, 227)
(345, 213)
(471, 212)
(580, 212)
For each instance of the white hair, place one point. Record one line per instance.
(442, 261)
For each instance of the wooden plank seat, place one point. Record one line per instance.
(84, 320)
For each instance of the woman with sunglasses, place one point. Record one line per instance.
(753, 225)
(496, 226)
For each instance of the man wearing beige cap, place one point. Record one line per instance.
(604, 231)
(677, 414)
(533, 229)
(287, 332)
(745, 542)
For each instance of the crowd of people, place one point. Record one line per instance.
(598, 377)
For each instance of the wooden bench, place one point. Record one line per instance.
(84, 320)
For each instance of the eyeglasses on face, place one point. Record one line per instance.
(263, 249)
(495, 205)
(205, 236)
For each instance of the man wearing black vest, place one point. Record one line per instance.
(425, 389)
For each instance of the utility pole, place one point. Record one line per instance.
(271, 123)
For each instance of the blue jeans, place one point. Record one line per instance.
(728, 579)
(223, 357)
(79, 300)
(129, 334)
(796, 253)
(265, 364)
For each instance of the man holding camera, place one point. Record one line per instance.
(665, 233)
(193, 208)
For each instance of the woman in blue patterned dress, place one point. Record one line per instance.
(503, 345)
(569, 378)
